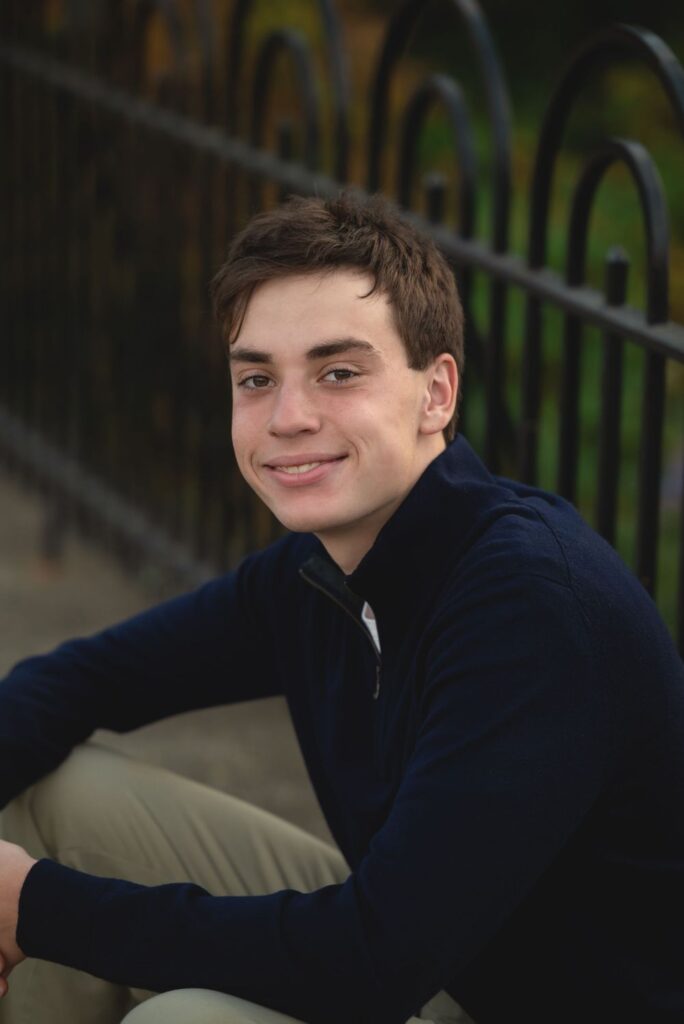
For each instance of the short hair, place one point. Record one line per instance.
(316, 236)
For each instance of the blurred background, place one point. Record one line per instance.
(543, 147)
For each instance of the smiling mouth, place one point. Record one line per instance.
(302, 468)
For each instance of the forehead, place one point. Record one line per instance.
(295, 312)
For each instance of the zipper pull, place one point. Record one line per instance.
(376, 691)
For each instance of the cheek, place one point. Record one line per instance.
(398, 413)
(243, 433)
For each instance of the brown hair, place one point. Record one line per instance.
(313, 236)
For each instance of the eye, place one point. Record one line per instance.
(340, 375)
(255, 382)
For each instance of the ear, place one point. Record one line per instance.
(440, 394)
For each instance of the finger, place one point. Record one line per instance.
(4, 987)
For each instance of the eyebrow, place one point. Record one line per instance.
(322, 351)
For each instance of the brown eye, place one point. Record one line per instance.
(339, 376)
(255, 382)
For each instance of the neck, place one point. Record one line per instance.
(348, 551)
(348, 546)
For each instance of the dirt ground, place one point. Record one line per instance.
(249, 750)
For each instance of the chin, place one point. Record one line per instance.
(303, 524)
(306, 521)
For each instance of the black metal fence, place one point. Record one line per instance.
(120, 189)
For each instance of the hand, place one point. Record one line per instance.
(15, 864)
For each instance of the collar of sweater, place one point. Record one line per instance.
(419, 545)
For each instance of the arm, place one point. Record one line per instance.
(191, 652)
(514, 747)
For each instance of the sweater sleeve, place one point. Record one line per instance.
(198, 650)
(513, 749)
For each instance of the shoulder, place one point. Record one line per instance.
(538, 588)
(541, 537)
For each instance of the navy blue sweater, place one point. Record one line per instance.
(510, 797)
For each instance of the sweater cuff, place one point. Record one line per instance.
(56, 906)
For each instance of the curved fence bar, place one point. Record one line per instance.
(337, 65)
(237, 31)
(292, 44)
(396, 40)
(118, 198)
(654, 210)
(443, 90)
(621, 39)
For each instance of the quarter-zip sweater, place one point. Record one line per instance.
(505, 779)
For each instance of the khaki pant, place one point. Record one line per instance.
(109, 815)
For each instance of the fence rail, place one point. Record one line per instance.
(118, 198)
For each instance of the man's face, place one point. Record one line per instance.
(329, 423)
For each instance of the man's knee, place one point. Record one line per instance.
(201, 1006)
(87, 795)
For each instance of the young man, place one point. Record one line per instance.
(490, 708)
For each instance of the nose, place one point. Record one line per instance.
(293, 412)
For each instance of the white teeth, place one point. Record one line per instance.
(304, 468)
